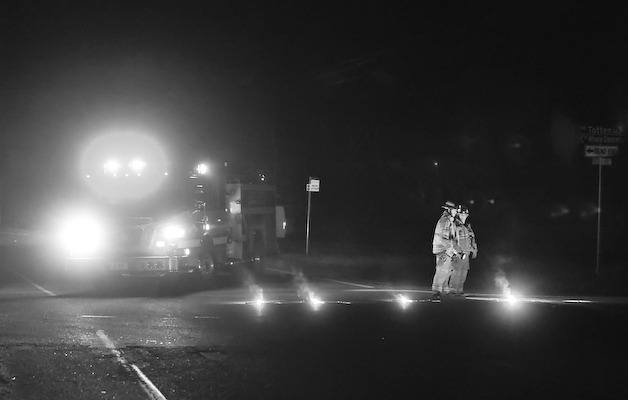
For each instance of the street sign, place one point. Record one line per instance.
(313, 186)
(601, 135)
(601, 161)
(600, 151)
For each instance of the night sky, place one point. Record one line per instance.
(367, 97)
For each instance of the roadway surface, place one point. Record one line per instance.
(278, 336)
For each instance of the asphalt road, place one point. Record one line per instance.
(280, 336)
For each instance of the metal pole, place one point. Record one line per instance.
(599, 217)
(307, 227)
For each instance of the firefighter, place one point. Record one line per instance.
(465, 238)
(445, 248)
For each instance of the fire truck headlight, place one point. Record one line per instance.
(173, 232)
(202, 169)
(137, 165)
(81, 235)
(111, 167)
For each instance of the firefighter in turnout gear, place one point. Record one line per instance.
(465, 238)
(445, 248)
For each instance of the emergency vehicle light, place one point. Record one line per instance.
(81, 235)
(112, 167)
(137, 165)
(202, 169)
(172, 232)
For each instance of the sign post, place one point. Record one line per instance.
(600, 143)
(599, 218)
(314, 185)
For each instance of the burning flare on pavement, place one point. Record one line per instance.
(403, 300)
(502, 283)
(258, 298)
(305, 292)
(315, 301)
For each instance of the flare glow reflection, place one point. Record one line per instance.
(511, 299)
(403, 301)
(314, 301)
(259, 302)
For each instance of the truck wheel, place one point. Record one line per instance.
(258, 267)
(168, 285)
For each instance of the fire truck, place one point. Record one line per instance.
(144, 216)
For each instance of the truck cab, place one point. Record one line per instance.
(192, 218)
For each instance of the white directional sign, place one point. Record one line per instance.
(599, 135)
(600, 151)
(601, 161)
(313, 186)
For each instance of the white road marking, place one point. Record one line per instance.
(550, 300)
(373, 289)
(205, 317)
(327, 279)
(577, 301)
(40, 288)
(352, 284)
(148, 386)
(96, 316)
(280, 271)
(154, 392)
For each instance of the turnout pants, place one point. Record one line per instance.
(444, 270)
(459, 274)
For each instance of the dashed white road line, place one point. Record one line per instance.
(96, 316)
(40, 288)
(148, 386)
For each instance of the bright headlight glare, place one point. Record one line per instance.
(137, 165)
(172, 232)
(111, 166)
(81, 235)
(202, 169)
